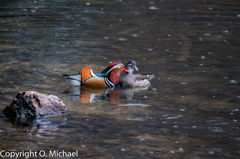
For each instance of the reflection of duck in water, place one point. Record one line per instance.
(94, 94)
(135, 80)
(115, 95)
(110, 76)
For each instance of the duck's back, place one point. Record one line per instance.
(136, 80)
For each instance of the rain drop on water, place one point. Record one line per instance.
(207, 34)
(122, 39)
(134, 35)
(123, 149)
(233, 81)
(180, 149)
(153, 8)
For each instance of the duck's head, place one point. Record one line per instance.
(114, 65)
(131, 66)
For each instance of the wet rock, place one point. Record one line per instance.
(33, 104)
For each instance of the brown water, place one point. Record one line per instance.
(190, 111)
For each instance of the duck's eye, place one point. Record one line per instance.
(120, 67)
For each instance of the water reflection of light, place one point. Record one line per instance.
(153, 8)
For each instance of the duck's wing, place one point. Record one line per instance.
(84, 74)
(144, 76)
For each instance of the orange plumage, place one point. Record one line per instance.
(110, 77)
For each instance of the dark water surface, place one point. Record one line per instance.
(193, 48)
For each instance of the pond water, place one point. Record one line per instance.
(191, 109)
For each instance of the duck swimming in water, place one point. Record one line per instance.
(110, 77)
(135, 80)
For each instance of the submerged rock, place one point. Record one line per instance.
(32, 104)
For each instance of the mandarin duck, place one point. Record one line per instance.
(135, 80)
(110, 76)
